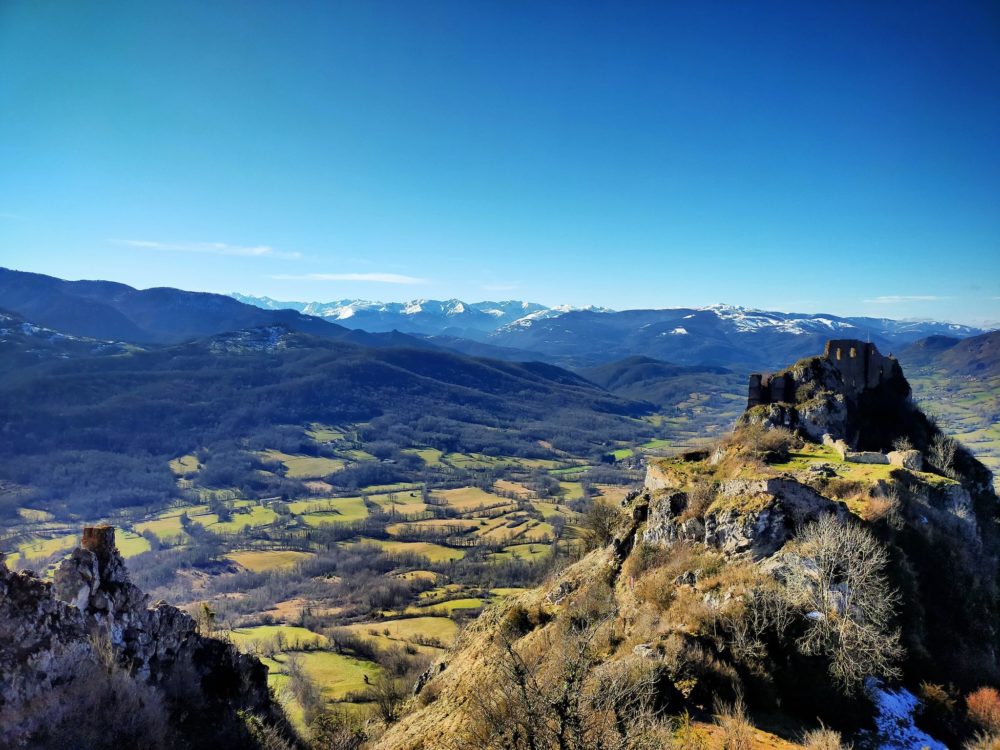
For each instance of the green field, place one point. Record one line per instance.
(571, 490)
(465, 499)
(263, 560)
(282, 637)
(657, 444)
(324, 434)
(253, 516)
(130, 544)
(433, 552)
(304, 467)
(332, 510)
(445, 608)
(525, 551)
(168, 530)
(430, 456)
(336, 674)
(39, 548)
(411, 630)
(185, 465)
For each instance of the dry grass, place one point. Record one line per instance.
(984, 709)
(823, 739)
(737, 731)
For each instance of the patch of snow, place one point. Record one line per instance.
(894, 725)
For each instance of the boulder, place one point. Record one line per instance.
(912, 460)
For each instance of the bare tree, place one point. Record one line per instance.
(765, 610)
(942, 454)
(388, 694)
(850, 607)
(556, 695)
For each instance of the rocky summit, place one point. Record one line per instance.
(829, 570)
(79, 654)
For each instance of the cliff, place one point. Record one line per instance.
(87, 659)
(770, 569)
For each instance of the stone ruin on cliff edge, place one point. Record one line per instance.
(860, 364)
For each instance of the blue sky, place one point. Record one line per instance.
(834, 157)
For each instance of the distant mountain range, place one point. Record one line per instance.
(718, 335)
(737, 338)
(451, 317)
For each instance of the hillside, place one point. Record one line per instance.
(110, 311)
(957, 381)
(783, 574)
(23, 344)
(94, 433)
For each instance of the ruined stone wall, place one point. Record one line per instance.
(860, 364)
(768, 388)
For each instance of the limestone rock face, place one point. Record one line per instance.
(755, 516)
(47, 631)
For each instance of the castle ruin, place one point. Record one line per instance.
(861, 367)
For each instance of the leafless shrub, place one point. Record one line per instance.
(902, 443)
(737, 731)
(303, 687)
(942, 454)
(103, 708)
(686, 736)
(557, 694)
(767, 443)
(824, 739)
(848, 602)
(765, 609)
(600, 523)
(335, 730)
(265, 736)
(700, 495)
(984, 708)
(886, 506)
(983, 741)
(388, 694)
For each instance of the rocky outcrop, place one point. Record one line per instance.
(50, 632)
(755, 516)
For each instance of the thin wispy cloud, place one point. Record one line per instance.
(378, 278)
(212, 248)
(895, 299)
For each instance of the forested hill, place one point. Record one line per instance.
(97, 432)
(111, 311)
